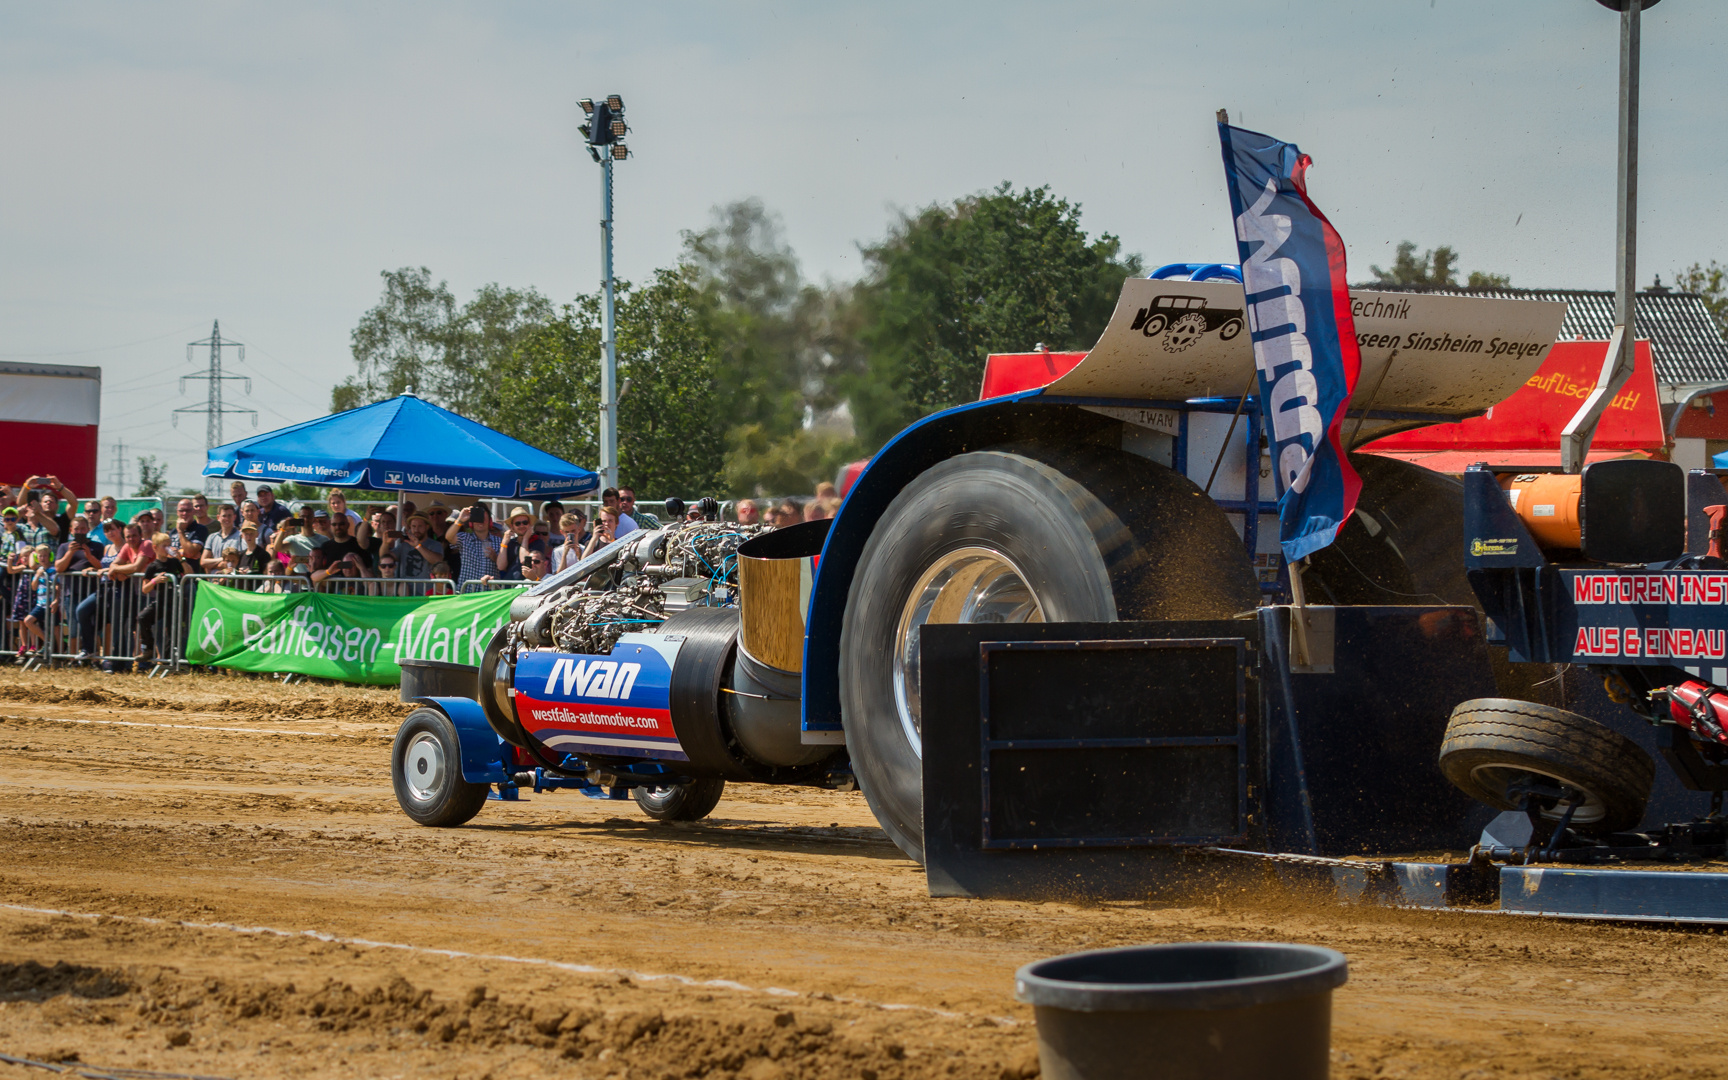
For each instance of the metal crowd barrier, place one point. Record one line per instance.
(489, 586)
(372, 586)
(94, 620)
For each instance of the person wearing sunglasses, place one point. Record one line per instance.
(520, 541)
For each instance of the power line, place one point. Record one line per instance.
(102, 348)
(213, 409)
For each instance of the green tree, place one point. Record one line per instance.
(999, 271)
(759, 464)
(417, 339)
(152, 477)
(671, 436)
(1711, 284)
(1436, 267)
(752, 297)
(402, 343)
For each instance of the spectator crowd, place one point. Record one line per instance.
(50, 542)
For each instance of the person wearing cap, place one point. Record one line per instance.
(321, 522)
(11, 543)
(271, 512)
(253, 557)
(251, 511)
(520, 541)
(418, 550)
(180, 561)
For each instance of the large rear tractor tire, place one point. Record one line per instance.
(426, 771)
(692, 801)
(1019, 533)
(1492, 744)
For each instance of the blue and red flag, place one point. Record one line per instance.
(1304, 337)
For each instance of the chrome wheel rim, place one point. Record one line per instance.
(423, 765)
(1500, 777)
(968, 585)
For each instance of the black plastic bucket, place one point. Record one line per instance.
(437, 678)
(1202, 1010)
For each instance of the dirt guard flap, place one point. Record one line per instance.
(617, 705)
(1079, 759)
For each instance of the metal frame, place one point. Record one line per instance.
(988, 649)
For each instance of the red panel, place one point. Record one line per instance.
(1456, 461)
(1010, 373)
(64, 450)
(1533, 417)
(1709, 423)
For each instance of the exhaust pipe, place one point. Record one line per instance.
(775, 573)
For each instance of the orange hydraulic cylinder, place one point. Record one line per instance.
(1547, 504)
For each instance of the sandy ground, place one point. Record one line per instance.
(251, 903)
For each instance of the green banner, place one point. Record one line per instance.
(356, 639)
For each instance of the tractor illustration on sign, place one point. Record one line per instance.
(1182, 319)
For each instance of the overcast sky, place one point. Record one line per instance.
(173, 163)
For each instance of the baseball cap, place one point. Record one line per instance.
(247, 526)
(437, 504)
(320, 513)
(10, 511)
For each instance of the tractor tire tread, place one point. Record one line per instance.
(1505, 732)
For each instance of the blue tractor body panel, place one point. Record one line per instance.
(486, 759)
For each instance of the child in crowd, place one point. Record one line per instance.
(42, 579)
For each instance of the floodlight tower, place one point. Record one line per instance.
(603, 129)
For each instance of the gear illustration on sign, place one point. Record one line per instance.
(1184, 332)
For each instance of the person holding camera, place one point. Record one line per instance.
(417, 550)
(470, 536)
(605, 530)
(521, 541)
(181, 560)
(79, 552)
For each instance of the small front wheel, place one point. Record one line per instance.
(426, 770)
(690, 801)
(1495, 745)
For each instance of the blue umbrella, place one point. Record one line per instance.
(402, 443)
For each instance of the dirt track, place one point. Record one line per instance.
(782, 937)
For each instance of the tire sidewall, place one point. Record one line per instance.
(1005, 505)
(437, 810)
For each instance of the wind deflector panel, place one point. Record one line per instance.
(1159, 725)
(1079, 759)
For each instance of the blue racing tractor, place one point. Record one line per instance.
(1048, 634)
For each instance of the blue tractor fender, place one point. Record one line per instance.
(973, 426)
(486, 759)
